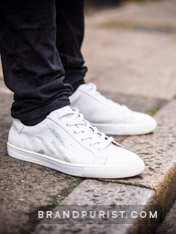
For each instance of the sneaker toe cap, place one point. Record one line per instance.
(143, 123)
(119, 155)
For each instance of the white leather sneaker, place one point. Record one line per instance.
(66, 142)
(108, 116)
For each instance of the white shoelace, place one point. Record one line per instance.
(92, 87)
(87, 133)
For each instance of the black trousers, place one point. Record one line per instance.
(40, 46)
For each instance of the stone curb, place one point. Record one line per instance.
(156, 187)
(92, 192)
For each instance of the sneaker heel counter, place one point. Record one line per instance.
(15, 130)
(10, 135)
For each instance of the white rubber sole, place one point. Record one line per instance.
(80, 170)
(126, 129)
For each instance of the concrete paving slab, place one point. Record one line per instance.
(131, 62)
(144, 104)
(161, 13)
(92, 192)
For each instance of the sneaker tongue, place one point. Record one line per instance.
(59, 113)
(87, 87)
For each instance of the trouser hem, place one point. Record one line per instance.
(35, 117)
